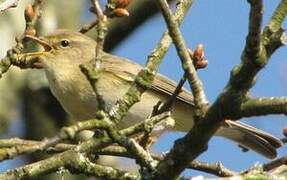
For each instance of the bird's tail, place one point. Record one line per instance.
(251, 138)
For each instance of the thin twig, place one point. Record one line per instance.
(169, 104)
(94, 72)
(97, 8)
(87, 27)
(200, 100)
(32, 14)
(101, 29)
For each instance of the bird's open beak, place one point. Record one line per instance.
(47, 47)
(37, 55)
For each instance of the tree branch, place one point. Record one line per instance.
(254, 56)
(19, 147)
(275, 163)
(131, 145)
(253, 40)
(269, 166)
(74, 161)
(274, 35)
(264, 106)
(145, 77)
(200, 100)
(278, 17)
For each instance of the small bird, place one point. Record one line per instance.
(65, 50)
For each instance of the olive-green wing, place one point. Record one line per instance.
(127, 70)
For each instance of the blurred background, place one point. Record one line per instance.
(28, 109)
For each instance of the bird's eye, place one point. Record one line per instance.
(65, 43)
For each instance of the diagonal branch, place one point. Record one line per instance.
(278, 16)
(274, 35)
(196, 85)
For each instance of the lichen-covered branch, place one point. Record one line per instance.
(101, 31)
(264, 106)
(93, 145)
(83, 165)
(73, 160)
(131, 145)
(17, 142)
(26, 147)
(11, 152)
(10, 148)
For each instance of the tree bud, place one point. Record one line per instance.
(121, 12)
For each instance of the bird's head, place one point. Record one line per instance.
(63, 47)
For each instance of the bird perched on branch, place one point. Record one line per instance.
(65, 50)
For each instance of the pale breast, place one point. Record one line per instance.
(74, 92)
